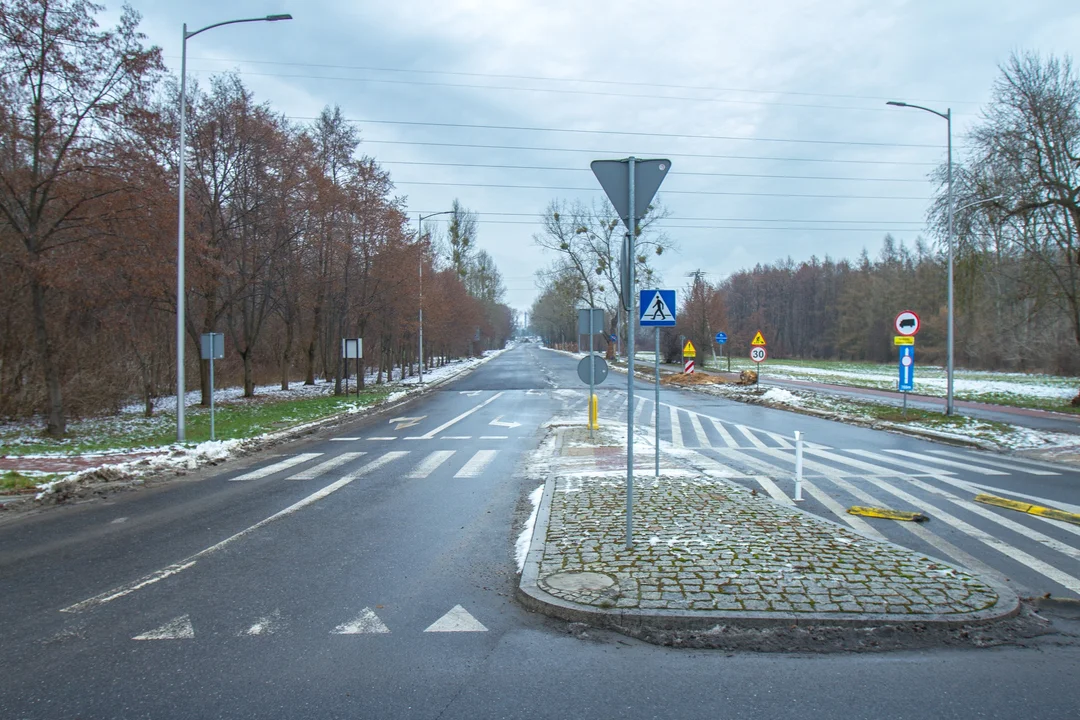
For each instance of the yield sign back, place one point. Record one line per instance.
(614, 177)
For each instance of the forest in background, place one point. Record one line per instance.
(293, 239)
(1016, 229)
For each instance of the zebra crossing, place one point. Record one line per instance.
(473, 464)
(1035, 554)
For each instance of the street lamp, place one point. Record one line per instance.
(180, 384)
(947, 116)
(419, 235)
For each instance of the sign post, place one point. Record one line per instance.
(352, 348)
(588, 320)
(213, 348)
(721, 339)
(620, 179)
(657, 310)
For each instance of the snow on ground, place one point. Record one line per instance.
(780, 396)
(521, 549)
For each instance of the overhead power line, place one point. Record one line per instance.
(482, 213)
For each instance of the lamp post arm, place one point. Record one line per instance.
(267, 18)
(942, 115)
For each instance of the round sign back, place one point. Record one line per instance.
(600, 369)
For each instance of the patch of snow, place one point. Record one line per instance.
(779, 395)
(521, 549)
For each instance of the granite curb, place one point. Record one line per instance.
(532, 595)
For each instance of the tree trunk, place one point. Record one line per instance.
(57, 424)
(286, 356)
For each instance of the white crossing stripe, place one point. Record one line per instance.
(266, 625)
(699, 431)
(947, 548)
(276, 467)
(457, 620)
(759, 465)
(864, 466)
(477, 464)
(947, 463)
(676, 428)
(808, 464)
(723, 433)
(936, 472)
(856, 522)
(712, 468)
(335, 462)
(782, 441)
(1043, 568)
(430, 463)
(770, 487)
(1000, 520)
(751, 437)
(995, 463)
(366, 623)
(177, 629)
(459, 418)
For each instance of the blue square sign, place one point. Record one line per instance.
(907, 368)
(657, 308)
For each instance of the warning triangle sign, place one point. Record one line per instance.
(689, 350)
(656, 309)
(759, 339)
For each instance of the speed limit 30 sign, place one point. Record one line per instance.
(758, 354)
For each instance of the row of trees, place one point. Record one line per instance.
(293, 239)
(1017, 257)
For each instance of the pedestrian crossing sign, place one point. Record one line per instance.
(759, 339)
(657, 308)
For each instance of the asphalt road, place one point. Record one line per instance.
(368, 573)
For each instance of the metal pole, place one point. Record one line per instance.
(213, 435)
(656, 425)
(949, 382)
(798, 466)
(592, 372)
(180, 383)
(419, 238)
(631, 326)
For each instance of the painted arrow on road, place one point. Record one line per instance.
(404, 422)
(470, 393)
(498, 422)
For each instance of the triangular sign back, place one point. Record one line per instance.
(614, 177)
(759, 339)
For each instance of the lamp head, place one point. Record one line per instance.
(897, 103)
(275, 18)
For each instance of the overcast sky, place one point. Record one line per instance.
(729, 91)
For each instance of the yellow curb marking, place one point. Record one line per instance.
(1046, 512)
(887, 514)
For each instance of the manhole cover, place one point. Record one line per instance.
(579, 581)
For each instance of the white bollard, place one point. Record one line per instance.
(798, 466)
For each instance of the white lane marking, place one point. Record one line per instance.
(699, 431)
(1000, 520)
(857, 523)
(1044, 569)
(714, 468)
(335, 462)
(494, 437)
(868, 467)
(751, 437)
(382, 438)
(947, 548)
(676, 427)
(477, 464)
(457, 620)
(781, 440)
(1064, 469)
(723, 433)
(807, 464)
(266, 625)
(936, 472)
(187, 562)
(449, 437)
(772, 488)
(118, 520)
(276, 467)
(367, 623)
(345, 439)
(430, 463)
(176, 629)
(462, 416)
(994, 463)
(760, 465)
(947, 463)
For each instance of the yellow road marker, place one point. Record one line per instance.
(887, 514)
(1046, 512)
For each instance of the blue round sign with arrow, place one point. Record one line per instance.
(721, 338)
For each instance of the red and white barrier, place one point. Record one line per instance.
(688, 366)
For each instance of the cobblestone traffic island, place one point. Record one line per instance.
(709, 551)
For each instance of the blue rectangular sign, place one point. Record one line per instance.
(907, 368)
(657, 308)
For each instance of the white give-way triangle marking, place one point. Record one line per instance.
(177, 629)
(457, 620)
(367, 622)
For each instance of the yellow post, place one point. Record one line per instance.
(594, 413)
